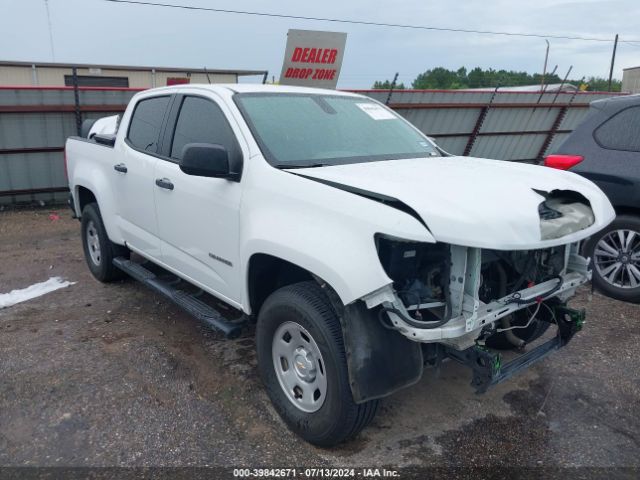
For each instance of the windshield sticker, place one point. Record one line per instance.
(376, 111)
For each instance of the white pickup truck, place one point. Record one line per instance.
(361, 250)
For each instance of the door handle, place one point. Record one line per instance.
(120, 167)
(164, 183)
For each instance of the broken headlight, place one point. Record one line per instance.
(418, 269)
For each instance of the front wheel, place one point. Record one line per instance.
(303, 365)
(615, 258)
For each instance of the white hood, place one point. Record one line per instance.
(471, 201)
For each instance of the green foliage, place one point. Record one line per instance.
(442, 78)
(599, 84)
(386, 85)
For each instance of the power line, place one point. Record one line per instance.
(359, 22)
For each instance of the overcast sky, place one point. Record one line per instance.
(95, 31)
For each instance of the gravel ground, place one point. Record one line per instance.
(113, 375)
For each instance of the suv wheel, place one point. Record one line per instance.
(99, 251)
(303, 365)
(615, 258)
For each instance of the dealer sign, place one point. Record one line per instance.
(313, 59)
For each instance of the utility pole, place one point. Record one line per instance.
(53, 51)
(544, 69)
(613, 60)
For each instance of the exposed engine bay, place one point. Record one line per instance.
(459, 296)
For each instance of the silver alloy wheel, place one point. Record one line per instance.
(93, 243)
(299, 367)
(617, 258)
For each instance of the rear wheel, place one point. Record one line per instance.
(615, 258)
(99, 251)
(303, 365)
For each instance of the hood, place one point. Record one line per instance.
(471, 201)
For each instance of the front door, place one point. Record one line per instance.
(198, 217)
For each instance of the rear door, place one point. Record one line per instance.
(612, 155)
(198, 217)
(134, 175)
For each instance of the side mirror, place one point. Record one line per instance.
(105, 139)
(205, 160)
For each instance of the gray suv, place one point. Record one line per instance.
(605, 148)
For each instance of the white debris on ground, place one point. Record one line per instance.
(35, 290)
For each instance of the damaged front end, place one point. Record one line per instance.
(459, 296)
(454, 295)
(462, 302)
(563, 212)
(494, 275)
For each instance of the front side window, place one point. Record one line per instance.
(146, 121)
(297, 130)
(621, 132)
(202, 121)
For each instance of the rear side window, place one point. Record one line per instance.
(621, 132)
(202, 121)
(144, 128)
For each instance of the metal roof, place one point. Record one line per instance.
(132, 68)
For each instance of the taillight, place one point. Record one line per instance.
(562, 162)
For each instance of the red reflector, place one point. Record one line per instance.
(562, 162)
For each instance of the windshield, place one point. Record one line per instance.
(303, 130)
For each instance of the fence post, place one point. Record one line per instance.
(476, 129)
(552, 132)
(76, 95)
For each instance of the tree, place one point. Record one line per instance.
(599, 84)
(442, 78)
(386, 85)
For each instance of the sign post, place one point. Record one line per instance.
(312, 58)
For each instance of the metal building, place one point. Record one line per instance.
(631, 80)
(60, 75)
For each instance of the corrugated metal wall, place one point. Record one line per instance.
(35, 122)
(520, 126)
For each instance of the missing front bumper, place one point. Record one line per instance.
(487, 366)
(467, 315)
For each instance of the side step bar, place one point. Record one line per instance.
(197, 308)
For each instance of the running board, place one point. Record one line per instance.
(188, 302)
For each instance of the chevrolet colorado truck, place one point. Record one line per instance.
(362, 252)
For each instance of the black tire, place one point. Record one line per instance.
(339, 418)
(100, 266)
(622, 222)
(520, 318)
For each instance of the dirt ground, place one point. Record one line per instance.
(106, 375)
